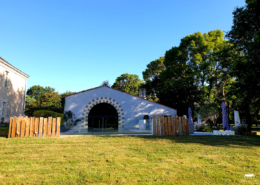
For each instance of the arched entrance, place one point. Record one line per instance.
(85, 119)
(103, 117)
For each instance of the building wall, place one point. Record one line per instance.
(134, 108)
(13, 94)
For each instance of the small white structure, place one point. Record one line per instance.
(237, 118)
(107, 108)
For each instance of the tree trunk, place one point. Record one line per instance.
(248, 117)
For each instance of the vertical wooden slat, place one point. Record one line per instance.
(18, 128)
(27, 126)
(45, 127)
(53, 132)
(36, 127)
(183, 126)
(161, 124)
(177, 125)
(169, 126)
(173, 126)
(180, 126)
(49, 126)
(58, 126)
(10, 127)
(187, 127)
(40, 126)
(31, 127)
(165, 126)
(158, 125)
(154, 125)
(14, 127)
(23, 127)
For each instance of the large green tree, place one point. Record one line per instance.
(193, 71)
(178, 87)
(245, 68)
(129, 83)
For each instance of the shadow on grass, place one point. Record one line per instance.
(229, 141)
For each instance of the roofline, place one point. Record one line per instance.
(14, 68)
(116, 90)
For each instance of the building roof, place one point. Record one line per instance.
(116, 90)
(12, 67)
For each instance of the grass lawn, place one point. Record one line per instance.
(129, 160)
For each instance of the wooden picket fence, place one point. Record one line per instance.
(34, 127)
(170, 126)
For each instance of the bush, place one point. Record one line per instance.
(146, 117)
(242, 130)
(205, 128)
(48, 113)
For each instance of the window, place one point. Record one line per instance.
(6, 79)
(3, 109)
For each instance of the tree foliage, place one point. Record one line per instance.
(245, 68)
(151, 76)
(128, 83)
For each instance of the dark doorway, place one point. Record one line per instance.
(103, 117)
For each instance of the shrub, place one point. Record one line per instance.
(48, 113)
(242, 130)
(146, 117)
(205, 128)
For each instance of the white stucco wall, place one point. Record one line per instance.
(134, 108)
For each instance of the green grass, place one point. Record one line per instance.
(129, 160)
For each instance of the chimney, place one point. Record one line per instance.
(142, 93)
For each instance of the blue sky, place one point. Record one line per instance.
(76, 44)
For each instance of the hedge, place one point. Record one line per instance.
(48, 113)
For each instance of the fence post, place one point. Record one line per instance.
(14, 127)
(23, 127)
(169, 126)
(158, 125)
(45, 127)
(165, 126)
(154, 125)
(58, 126)
(49, 126)
(31, 126)
(40, 126)
(53, 127)
(10, 128)
(173, 126)
(161, 124)
(176, 125)
(36, 130)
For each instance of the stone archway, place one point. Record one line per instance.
(92, 103)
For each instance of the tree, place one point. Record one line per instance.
(128, 83)
(245, 68)
(50, 100)
(66, 93)
(178, 87)
(200, 50)
(151, 76)
(209, 110)
(106, 83)
(37, 91)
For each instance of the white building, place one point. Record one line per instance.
(107, 108)
(12, 90)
